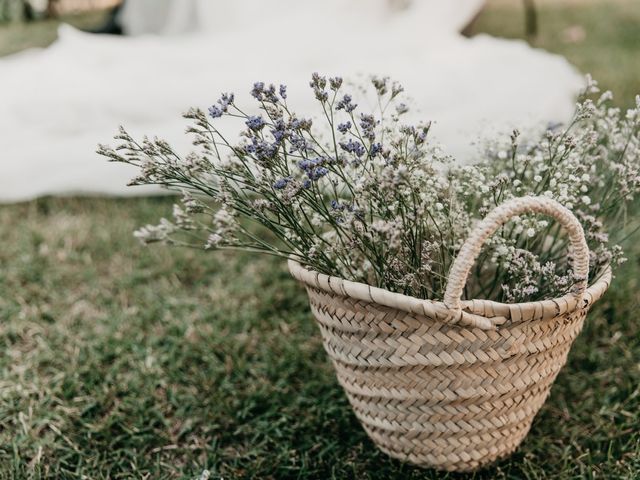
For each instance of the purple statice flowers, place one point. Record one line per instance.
(222, 107)
(354, 147)
(255, 123)
(282, 183)
(346, 104)
(314, 168)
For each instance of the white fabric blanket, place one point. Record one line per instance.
(58, 103)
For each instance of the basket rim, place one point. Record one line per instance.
(497, 313)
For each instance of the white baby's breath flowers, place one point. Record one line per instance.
(156, 233)
(214, 240)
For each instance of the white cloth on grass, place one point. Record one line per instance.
(58, 103)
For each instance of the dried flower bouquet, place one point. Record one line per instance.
(363, 196)
(385, 233)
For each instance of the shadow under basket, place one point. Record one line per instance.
(451, 385)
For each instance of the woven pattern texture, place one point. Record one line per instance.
(452, 385)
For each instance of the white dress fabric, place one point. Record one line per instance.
(162, 17)
(58, 103)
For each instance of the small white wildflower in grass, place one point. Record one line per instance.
(205, 475)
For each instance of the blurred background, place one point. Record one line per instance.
(141, 63)
(598, 36)
(31, 10)
(118, 361)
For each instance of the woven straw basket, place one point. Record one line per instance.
(455, 384)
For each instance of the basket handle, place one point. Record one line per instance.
(499, 216)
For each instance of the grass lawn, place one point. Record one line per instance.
(118, 361)
(16, 36)
(601, 37)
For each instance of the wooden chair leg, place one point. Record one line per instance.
(530, 19)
